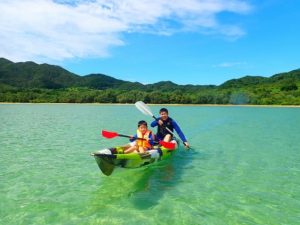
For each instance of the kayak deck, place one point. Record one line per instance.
(109, 158)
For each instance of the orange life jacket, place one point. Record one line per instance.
(143, 143)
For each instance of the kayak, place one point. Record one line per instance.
(110, 158)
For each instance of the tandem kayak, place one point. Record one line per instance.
(110, 158)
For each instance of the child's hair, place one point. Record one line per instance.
(142, 122)
(163, 110)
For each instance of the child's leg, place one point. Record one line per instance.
(168, 138)
(142, 149)
(130, 149)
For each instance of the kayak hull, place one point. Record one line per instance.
(110, 158)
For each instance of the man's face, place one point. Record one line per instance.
(164, 115)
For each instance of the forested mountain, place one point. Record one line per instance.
(31, 82)
(32, 75)
(243, 82)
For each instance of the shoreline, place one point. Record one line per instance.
(127, 104)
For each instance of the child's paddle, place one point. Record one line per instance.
(111, 134)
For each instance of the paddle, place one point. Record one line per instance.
(111, 134)
(146, 110)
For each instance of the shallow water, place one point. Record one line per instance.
(244, 167)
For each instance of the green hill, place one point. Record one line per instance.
(32, 75)
(243, 82)
(32, 82)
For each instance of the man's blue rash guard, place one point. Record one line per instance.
(176, 127)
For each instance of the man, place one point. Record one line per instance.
(165, 125)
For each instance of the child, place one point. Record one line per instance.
(141, 133)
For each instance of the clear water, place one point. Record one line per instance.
(244, 169)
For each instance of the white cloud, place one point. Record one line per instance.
(230, 64)
(61, 29)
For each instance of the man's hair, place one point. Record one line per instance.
(163, 110)
(142, 122)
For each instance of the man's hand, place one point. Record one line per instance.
(160, 122)
(186, 145)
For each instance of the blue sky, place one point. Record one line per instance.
(184, 41)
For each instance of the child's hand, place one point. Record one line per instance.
(151, 142)
(131, 139)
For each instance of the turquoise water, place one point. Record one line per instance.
(244, 169)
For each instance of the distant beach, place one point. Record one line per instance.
(126, 104)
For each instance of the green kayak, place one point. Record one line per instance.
(110, 158)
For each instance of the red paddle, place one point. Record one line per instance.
(111, 134)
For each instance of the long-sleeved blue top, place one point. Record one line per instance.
(176, 128)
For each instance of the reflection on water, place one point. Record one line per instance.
(144, 187)
(152, 185)
(159, 179)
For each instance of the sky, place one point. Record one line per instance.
(184, 41)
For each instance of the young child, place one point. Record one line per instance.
(141, 133)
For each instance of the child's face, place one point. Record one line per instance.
(143, 128)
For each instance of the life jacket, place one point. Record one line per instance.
(162, 131)
(143, 143)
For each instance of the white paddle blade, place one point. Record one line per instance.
(143, 108)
